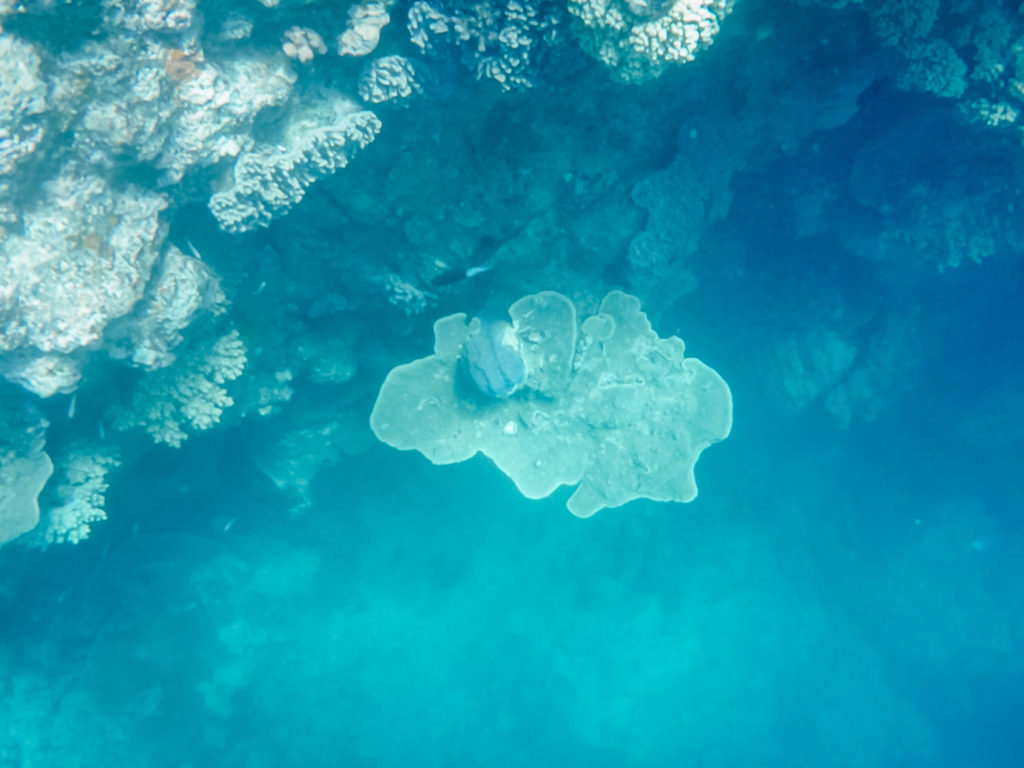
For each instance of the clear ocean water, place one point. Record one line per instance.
(283, 589)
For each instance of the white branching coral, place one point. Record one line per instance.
(302, 43)
(151, 15)
(268, 180)
(638, 40)
(389, 79)
(181, 288)
(186, 396)
(501, 42)
(83, 493)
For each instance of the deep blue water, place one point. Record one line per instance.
(832, 597)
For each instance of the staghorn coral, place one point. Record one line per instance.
(188, 396)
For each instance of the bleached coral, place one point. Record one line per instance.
(187, 396)
(151, 15)
(84, 258)
(406, 296)
(611, 405)
(389, 79)
(82, 491)
(500, 42)
(269, 179)
(181, 288)
(365, 22)
(22, 101)
(302, 43)
(638, 41)
(148, 102)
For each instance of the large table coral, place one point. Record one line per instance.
(607, 405)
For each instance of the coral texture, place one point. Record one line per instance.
(500, 42)
(21, 480)
(82, 493)
(269, 179)
(607, 405)
(639, 40)
(186, 396)
(85, 257)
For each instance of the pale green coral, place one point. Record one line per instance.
(638, 40)
(609, 406)
(21, 480)
(188, 395)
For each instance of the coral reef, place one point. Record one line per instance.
(639, 40)
(500, 42)
(389, 79)
(269, 179)
(84, 258)
(302, 43)
(188, 395)
(606, 404)
(362, 34)
(80, 495)
(22, 103)
(21, 480)
(500, 150)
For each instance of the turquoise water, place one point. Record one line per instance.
(283, 589)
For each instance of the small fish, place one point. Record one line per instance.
(479, 270)
(71, 405)
(483, 259)
(458, 274)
